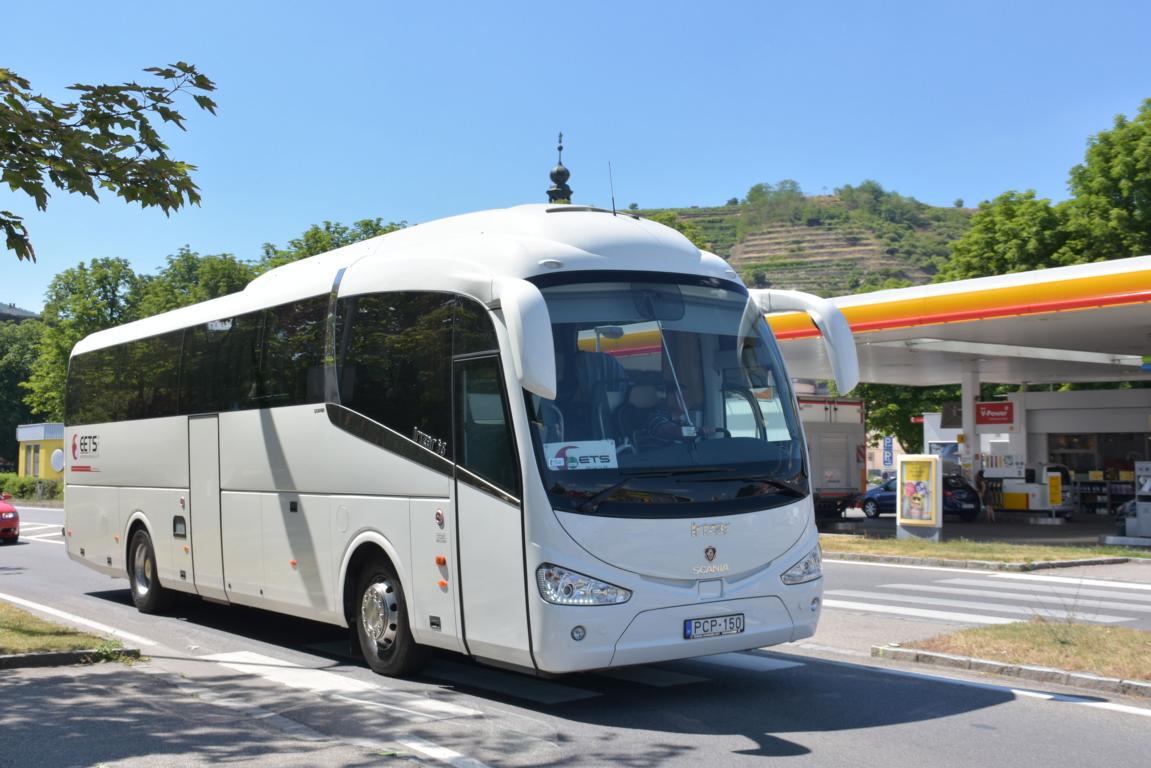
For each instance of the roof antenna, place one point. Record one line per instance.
(611, 184)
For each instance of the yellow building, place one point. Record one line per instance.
(37, 441)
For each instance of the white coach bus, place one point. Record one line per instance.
(552, 438)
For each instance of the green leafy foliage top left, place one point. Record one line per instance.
(105, 140)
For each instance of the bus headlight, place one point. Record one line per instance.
(563, 587)
(809, 568)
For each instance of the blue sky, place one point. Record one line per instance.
(412, 111)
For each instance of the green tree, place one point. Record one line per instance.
(189, 278)
(1013, 233)
(890, 407)
(323, 238)
(1109, 215)
(19, 343)
(79, 301)
(105, 140)
(684, 226)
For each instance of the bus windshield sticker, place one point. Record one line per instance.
(581, 454)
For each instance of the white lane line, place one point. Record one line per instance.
(26, 526)
(80, 620)
(1075, 604)
(1073, 580)
(442, 754)
(1099, 618)
(319, 681)
(48, 538)
(291, 675)
(901, 610)
(1051, 589)
(341, 686)
(1061, 698)
(940, 568)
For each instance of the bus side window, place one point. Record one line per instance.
(484, 444)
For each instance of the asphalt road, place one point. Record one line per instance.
(228, 684)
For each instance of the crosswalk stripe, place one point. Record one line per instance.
(1052, 589)
(1076, 604)
(903, 610)
(1073, 580)
(994, 607)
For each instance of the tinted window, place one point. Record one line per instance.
(137, 380)
(484, 444)
(474, 330)
(395, 352)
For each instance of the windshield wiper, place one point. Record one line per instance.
(792, 488)
(592, 502)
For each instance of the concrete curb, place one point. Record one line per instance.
(64, 658)
(975, 565)
(1083, 680)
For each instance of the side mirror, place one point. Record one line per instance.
(530, 330)
(838, 342)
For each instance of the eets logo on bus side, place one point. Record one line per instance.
(85, 446)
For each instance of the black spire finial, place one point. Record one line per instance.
(559, 191)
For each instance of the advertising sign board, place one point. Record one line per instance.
(919, 497)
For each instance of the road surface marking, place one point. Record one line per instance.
(74, 619)
(1098, 618)
(1061, 698)
(1073, 580)
(900, 610)
(443, 754)
(939, 568)
(291, 675)
(1075, 604)
(1051, 589)
(45, 539)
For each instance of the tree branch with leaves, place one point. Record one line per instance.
(106, 140)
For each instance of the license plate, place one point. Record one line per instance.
(713, 626)
(967, 506)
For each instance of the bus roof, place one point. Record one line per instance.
(462, 254)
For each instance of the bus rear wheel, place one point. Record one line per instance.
(382, 628)
(147, 593)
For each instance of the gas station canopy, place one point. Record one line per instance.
(1088, 322)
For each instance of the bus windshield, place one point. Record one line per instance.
(671, 395)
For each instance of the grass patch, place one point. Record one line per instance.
(1101, 650)
(963, 549)
(21, 632)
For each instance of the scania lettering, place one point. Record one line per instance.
(547, 437)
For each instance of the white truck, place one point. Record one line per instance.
(837, 445)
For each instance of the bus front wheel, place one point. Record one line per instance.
(147, 594)
(382, 628)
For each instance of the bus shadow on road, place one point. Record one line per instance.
(760, 695)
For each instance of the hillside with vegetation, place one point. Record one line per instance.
(859, 239)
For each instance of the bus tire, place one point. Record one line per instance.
(148, 594)
(381, 627)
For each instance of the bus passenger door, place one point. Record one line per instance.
(202, 520)
(489, 516)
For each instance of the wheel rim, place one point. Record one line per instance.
(379, 616)
(870, 509)
(142, 570)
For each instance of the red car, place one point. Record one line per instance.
(9, 521)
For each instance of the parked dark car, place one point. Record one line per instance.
(9, 522)
(959, 498)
